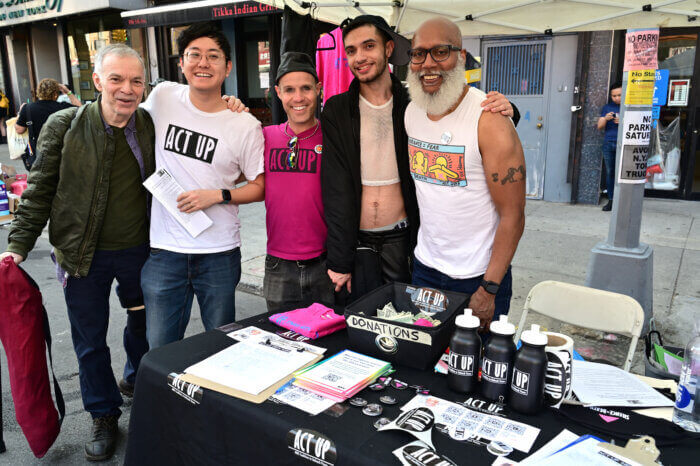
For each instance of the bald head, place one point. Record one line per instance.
(439, 28)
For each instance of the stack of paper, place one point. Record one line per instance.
(341, 376)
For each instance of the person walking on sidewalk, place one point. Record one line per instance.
(469, 170)
(295, 266)
(206, 148)
(87, 182)
(33, 116)
(609, 121)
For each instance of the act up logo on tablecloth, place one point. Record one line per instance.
(312, 446)
(188, 391)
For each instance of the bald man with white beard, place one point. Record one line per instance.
(469, 172)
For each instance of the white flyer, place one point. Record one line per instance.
(344, 371)
(251, 366)
(598, 384)
(467, 423)
(255, 332)
(166, 189)
(564, 438)
(303, 399)
(586, 452)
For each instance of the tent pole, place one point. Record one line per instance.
(403, 10)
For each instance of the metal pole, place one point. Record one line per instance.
(621, 263)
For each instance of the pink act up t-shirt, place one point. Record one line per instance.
(296, 229)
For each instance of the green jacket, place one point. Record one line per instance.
(69, 182)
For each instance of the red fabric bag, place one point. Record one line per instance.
(25, 335)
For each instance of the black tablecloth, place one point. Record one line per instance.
(166, 428)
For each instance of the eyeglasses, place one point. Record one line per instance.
(195, 57)
(439, 53)
(292, 145)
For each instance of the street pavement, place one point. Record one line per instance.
(556, 245)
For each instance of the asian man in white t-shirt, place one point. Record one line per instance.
(206, 148)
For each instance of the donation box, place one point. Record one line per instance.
(399, 342)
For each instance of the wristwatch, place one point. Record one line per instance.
(490, 287)
(226, 195)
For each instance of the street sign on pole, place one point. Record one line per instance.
(621, 263)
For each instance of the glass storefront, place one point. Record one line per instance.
(677, 55)
(86, 37)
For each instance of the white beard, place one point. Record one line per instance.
(447, 96)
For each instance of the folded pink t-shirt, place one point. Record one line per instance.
(315, 321)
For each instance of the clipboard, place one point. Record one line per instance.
(266, 393)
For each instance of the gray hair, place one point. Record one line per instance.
(119, 50)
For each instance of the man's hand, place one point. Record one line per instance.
(16, 257)
(234, 104)
(610, 116)
(64, 89)
(497, 102)
(340, 279)
(199, 199)
(483, 304)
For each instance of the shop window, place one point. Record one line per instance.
(677, 55)
(85, 39)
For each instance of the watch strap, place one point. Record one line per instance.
(226, 196)
(490, 287)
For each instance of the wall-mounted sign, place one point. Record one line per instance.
(170, 15)
(660, 88)
(678, 92)
(25, 11)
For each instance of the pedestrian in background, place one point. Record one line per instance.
(33, 116)
(609, 120)
(4, 108)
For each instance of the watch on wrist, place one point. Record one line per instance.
(226, 195)
(490, 287)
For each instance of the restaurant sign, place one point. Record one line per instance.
(167, 16)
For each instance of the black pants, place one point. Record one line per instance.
(381, 257)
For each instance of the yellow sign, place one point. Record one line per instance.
(640, 87)
(473, 75)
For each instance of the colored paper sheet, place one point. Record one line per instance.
(641, 48)
(640, 87)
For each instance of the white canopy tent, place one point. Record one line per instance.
(509, 17)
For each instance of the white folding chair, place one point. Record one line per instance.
(586, 307)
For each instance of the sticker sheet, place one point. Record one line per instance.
(464, 423)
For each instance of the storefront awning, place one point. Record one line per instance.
(512, 17)
(192, 12)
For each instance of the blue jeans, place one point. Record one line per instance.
(87, 299)
(426, 276)
(170, 280)
(609, 149)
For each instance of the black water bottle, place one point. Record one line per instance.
(529, 370)
(465, 351)
(497, 363)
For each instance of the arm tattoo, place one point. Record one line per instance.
(511, 175)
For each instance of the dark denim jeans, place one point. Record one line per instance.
(609, 148)
(426, 276)
(170, 280)
(292, 284)
(87, 299)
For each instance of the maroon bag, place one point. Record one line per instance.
(25, 335)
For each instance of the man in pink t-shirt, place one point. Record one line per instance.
(295, 266)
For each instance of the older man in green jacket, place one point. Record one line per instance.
(87, 183)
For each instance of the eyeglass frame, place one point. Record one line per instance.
(451, 48)
(186, 54)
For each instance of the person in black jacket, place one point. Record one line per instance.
(368, 194)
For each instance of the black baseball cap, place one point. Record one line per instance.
(295, 61)
(401, 45)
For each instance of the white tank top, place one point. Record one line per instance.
(458, 219)
(377, 153)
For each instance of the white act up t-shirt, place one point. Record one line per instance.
(201, 151)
